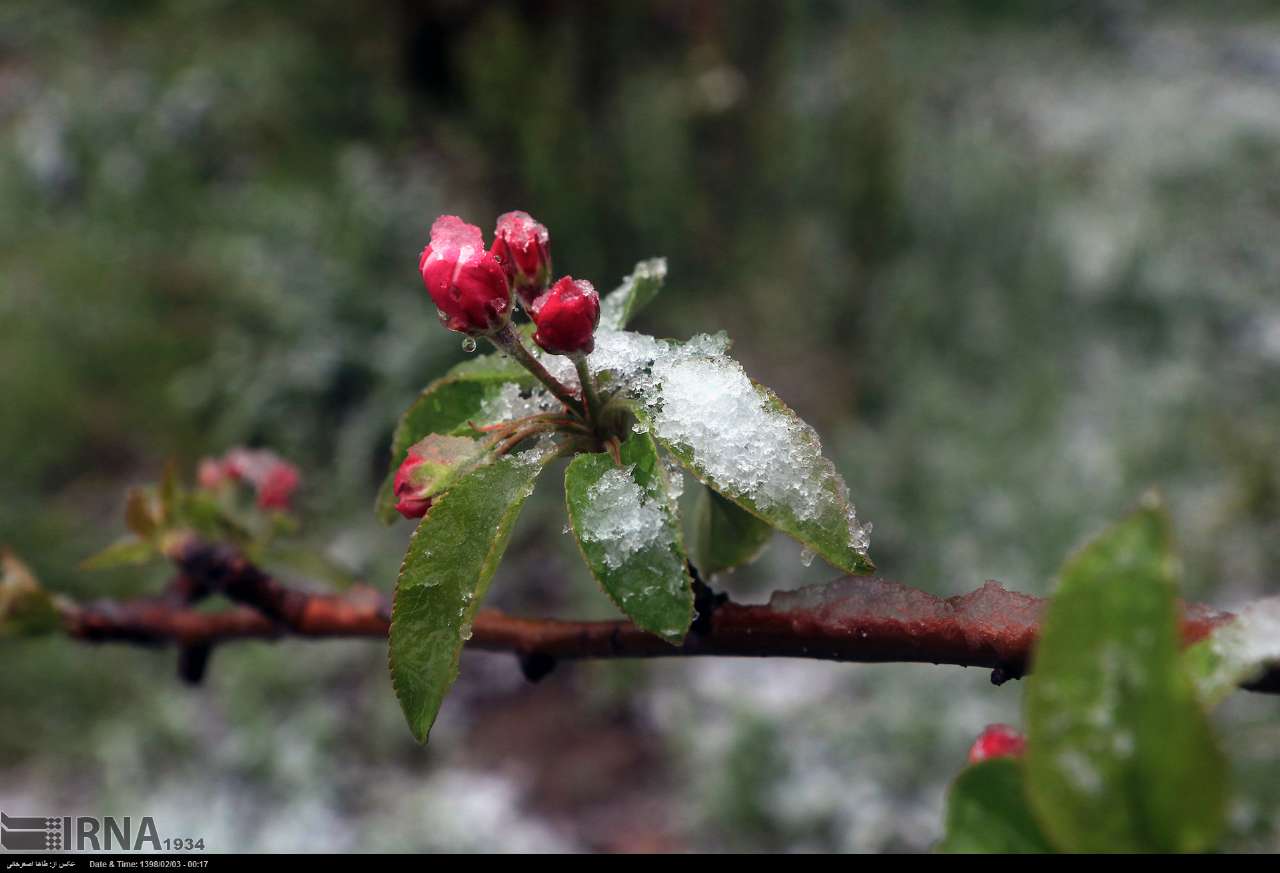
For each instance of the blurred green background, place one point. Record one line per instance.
(1016, 262)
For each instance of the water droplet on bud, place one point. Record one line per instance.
(469, 345)
(806, 556)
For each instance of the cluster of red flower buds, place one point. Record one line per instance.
(997, 741)
(271, 477)
(474, 290)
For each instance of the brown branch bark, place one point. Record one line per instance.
(856, 619)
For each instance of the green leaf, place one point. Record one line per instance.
(987, 812)
(26, 608)
(127, 552)
(625, 524)
(819, 518)
(444, 407)
(207, 514)
(1237, 652)
(1120, 756)
(636, 292)
(494, 367)
(451, 558)
(725, 536)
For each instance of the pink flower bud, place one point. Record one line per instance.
(239, 464)
(432, 464)
(211, 474)
(271, 477)
(412, 501)
(276, 487)
(521, 244)
(997, 741)
(567, 316)
(467, 284)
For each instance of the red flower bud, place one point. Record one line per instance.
(277, 485)
(432, 463)
(273, 478)
(521, 244)
(410, 503)
(567, 316)
(211, 474)
(467, 284)
(997, 741)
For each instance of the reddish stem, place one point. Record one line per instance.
(862, 619)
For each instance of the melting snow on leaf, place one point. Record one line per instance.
(620, 517)
(693, 395)
(514, 401)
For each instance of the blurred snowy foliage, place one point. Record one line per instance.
(1026, 268)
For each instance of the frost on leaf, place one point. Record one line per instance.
(734, 435)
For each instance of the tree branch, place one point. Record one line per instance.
(853, 618)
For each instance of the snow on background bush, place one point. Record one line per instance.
(1014, 271)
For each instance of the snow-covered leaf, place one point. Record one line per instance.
(625, 524)
(451, 558)
(725, 536)
(1120, 755)
(987, 813)
(636, 291)
(736, 436)
(1237, 652)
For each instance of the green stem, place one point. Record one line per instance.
(590, 397)
(507, 340)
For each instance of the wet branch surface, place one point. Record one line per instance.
(853, 619)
